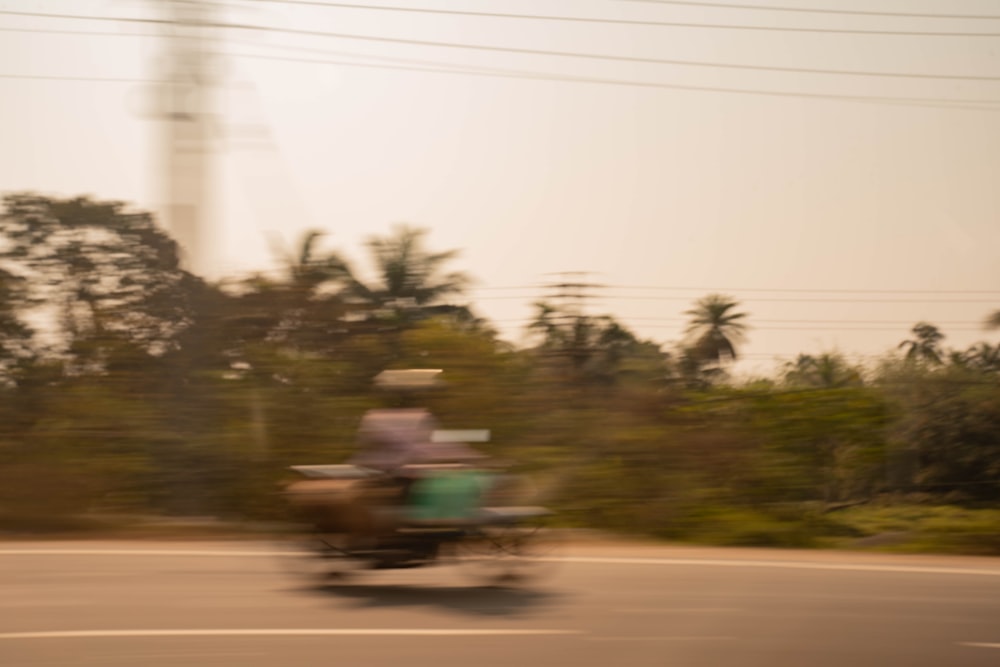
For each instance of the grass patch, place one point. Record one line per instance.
(111, 526)
(924, 528)
(744, 527)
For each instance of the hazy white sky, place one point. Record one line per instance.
(664, 193)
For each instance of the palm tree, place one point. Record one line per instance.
(306, 268)
(593, 346)
(410, 279)
(982, 357)
(926, 345)
(828, 370)
(293, 308)
(715, 328)
(993, 320)
(547, 324)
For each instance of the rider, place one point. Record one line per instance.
(426, 476)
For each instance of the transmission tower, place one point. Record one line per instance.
(571, 291)
(185, 114)
(568, 294)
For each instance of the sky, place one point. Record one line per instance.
(838, 208)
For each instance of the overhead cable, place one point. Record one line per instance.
(56, 77)
(79, 17)
(808, 10)
(674, 24)
(639, 22)
(751, 299)
(811, 290)
(797, 300)
(954, 103)
(91, 33)
(685, 63)
(636, 59)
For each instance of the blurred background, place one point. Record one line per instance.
(717, 272)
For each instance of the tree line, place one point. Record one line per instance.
(131, 385)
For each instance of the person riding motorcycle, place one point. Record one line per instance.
(400, 474)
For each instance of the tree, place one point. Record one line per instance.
(15, 335)
(103, 276)
(598, 348)
(693, 371)
(926, 344)
(981, 357)
(715, 329)
(410, 282)
(307, 269)
(827, 371)
(116, 393)
(827, 442)
(302, 308)
(951, 424)
(993, 320)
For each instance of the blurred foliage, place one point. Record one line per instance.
(715, 328)
(920, 523)
(130, 386)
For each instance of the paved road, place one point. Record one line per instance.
(148, 604)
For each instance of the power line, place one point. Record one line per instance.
(661, 61)
(455, 12)
(95, 33)
(810, 290)
(580, 19)
(79, 17)
(673, 24)
(571, 54)
(632, 297)
(699, 63)
(814, 321)
(522, 74)
(453, 45)
(611, 297)
(816, 300)
(55, 77)
(715, 26)
(806, 10)
(756, 327)
(954, 103)
(539, 286)
(350, 54)
(765, 289)
(762, 325)
(825, 328)
(535, 287)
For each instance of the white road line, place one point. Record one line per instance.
(213, 553)
(285, 632)
(678, 610)
(792, 565)
(979, 645)
(595, 560)
(711, 638)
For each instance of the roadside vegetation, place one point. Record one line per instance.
(131, 387)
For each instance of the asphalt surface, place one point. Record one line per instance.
(161, 604)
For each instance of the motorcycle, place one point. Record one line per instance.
(353, 518)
